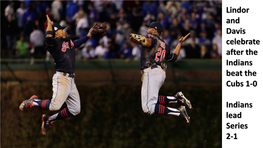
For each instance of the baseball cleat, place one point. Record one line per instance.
(45, 124)
(181, 99)
(183, 114)
(27, 103)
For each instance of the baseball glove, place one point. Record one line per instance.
(139, 39)
(99, 29)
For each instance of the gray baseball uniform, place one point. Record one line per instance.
(64, 90)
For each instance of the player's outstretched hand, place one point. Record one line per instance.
(99, 29)
(182, 39)
(48, 20)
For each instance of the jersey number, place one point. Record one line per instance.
(160, 55)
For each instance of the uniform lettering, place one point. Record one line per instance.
(64, 47)
(72, 44)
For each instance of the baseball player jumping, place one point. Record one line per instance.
(64, 89)
(154, 51)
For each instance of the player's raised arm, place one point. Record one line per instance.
(49, 30)
(178, 47)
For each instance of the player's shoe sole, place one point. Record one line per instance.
(27, 103)
(184, 115)
(183, 100)
(45, 124)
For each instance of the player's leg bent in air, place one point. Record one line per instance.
(152, 80)
(63, 91)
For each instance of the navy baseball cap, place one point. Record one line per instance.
(57, 27)
(156, 26)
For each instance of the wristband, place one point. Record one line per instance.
(181, 42)
(49, 21)
(49, 32)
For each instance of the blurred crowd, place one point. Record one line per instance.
(25, 24)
